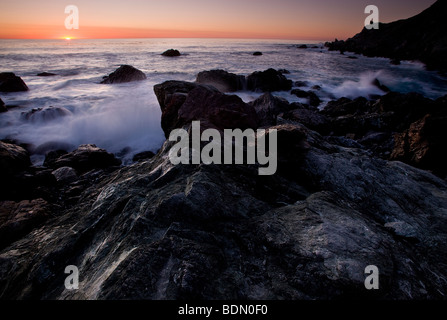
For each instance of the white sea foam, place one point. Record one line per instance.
(127, 116)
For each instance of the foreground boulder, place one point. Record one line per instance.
(182, 102)
(222, 80)
(268, 81)
(123, 74)
(86, 157)
(9, 82)
(160, 231)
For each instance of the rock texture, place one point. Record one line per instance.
(222, 80)
(123, 74)
(9, 82)
(421, 37)
(182, 102)
(154, 230)
(268, 81)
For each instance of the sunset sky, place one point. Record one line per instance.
(281, 19)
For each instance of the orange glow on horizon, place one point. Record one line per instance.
(88, 32)
(243, 19)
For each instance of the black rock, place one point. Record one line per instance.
(268, 81)
(171, 53)
(222, 80)
(257, 53)
(303, 46)
(268, 107)
(311, 96)
(84, 158)
(9, 82)
(46, 74)
(381, 86)
(123, 74)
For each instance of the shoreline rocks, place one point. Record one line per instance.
(154, 230)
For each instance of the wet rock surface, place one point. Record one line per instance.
(9, 82)
(154, 230)
(124, 74)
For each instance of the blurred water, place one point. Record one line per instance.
(121, 116)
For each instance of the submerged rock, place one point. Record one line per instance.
(171, 53)
(123, 74)
(9, 82)
(45, 114)
(46, 74)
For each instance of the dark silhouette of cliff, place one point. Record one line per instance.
(422, 37)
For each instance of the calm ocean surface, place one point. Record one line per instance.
(122, 116)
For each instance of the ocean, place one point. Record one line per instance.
(125, 118)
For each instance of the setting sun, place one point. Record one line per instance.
(67, 38)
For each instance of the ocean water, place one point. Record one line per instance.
(125, 118)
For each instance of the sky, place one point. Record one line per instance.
(268, 19)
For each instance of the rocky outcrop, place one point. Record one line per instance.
(85, 158)
(268, 81)
(158, 231)
(183, 102)
(154, 230)
(171, 53)
(123, 74)
(423, 144)
(403, 39)
(9, 82)
(222, 80)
